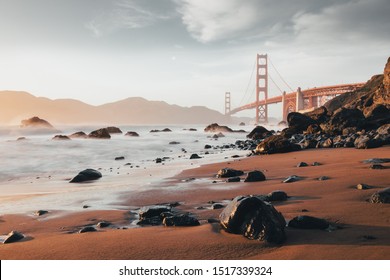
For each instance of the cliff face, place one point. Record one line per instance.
(372, 100)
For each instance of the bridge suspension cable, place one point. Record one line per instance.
(248, 85)
(275, 84)
(276, 70)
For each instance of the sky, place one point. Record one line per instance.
(187, 52)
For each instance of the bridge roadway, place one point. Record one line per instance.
(294, 101)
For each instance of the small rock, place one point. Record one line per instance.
(255, 176)
(180, 221)
(13, 236)
(217, 206)
(21, 139)
(41, 212)
(86, 175)
(382, 196)
(304, 210)
(229, 172)
(316, 164)
(291, 179)
(174, 143)
(377, 166)
(158, 160)
(103, 224)
(323, 178)
(86, 206)
(302, 164)
(308, 222)
(233, 179)
(87, 229)
(277, 196)
(60, 137)
(195, 156)
(363, 187)
(207, 146)
(119, 158)
(132, 134)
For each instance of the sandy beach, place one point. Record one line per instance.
(362, 228)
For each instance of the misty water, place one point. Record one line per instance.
(35, 173)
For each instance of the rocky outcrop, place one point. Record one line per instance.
(100, 134)
(299, 122)
(86, 175)
(253, 218)
(36, 122)
(259, 132)
(214, 127)
(195, 156)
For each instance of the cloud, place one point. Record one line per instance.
(266, 20)
(124, 14)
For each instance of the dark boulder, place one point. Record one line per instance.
(174, 143)
(302, 164)
(253, 218)
(100, 134)
(259, 132)
(182, 220)
(217, 206)
(13, 236)
(86, 175)
(277, 196)
(233, 179)
(276, 144)
(153, 215)
(195, 156)
(87, 229)
(60, 137)
(207, 146)
(120, 158)
(382, 196)
(79, 134)
(229, 172)
(308, 222)
(166, 130)
(41, 212)
(299, 122)
(292, 178)
(214, 127)
(132, 134)
(103, 224)
(255, 176)
(113, 130)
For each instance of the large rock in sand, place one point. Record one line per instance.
(86, 175)
(253, 218)
(13, 236)
(183, 220)
(229, 172)
(255, 176)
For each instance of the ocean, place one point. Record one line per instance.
(35, 173)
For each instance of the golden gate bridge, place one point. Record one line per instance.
(293, 101)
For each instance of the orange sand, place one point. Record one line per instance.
(334, 199)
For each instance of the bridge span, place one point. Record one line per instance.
(298, 100)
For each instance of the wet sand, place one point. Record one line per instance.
(363, 234)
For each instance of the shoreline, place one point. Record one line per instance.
(335, 199)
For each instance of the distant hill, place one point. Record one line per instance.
(18, 105)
